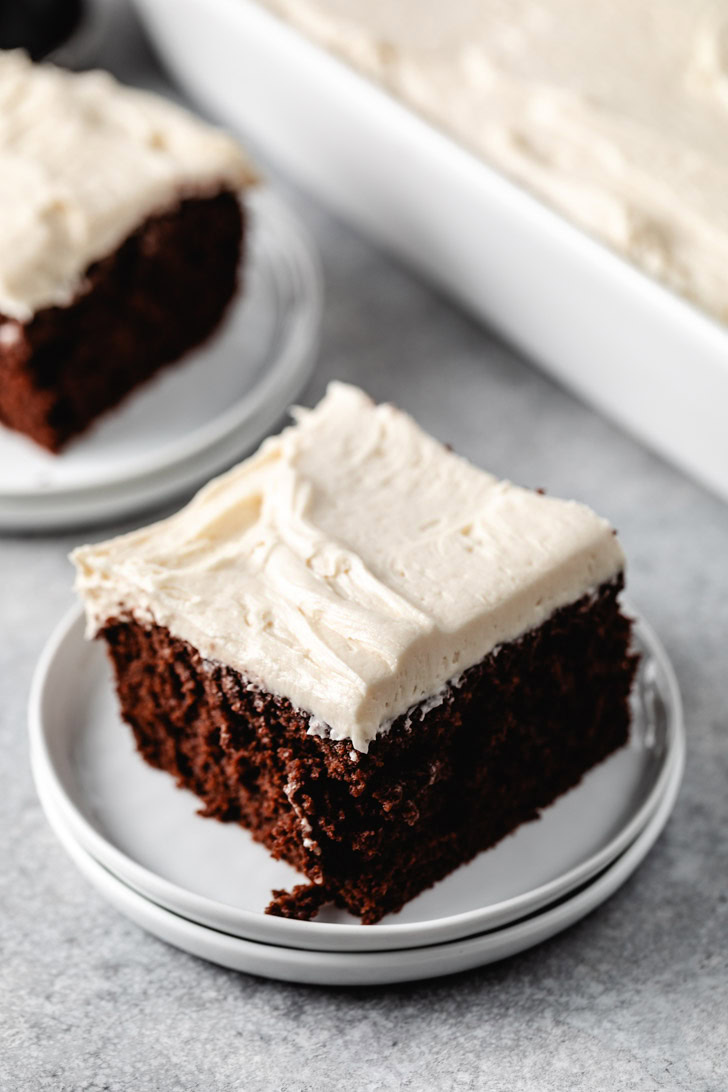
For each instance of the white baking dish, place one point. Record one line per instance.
(654, 363)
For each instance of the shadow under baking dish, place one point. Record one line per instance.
(134, 821)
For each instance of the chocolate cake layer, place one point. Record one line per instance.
(161, 293)
(372, 830)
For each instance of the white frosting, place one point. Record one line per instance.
(612, 112)
(353, 565)
(83, 161)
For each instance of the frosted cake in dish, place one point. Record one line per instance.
(614, 113)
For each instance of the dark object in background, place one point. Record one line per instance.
(38, 26)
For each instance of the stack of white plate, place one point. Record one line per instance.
(193, 419)
(203, 885)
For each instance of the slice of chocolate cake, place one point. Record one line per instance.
(121, 227)
(374, 655)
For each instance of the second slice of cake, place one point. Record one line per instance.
(375, 656)
(122, 226)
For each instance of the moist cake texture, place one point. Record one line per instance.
(122, 230)
(375, 656)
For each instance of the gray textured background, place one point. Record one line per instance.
(634, 997)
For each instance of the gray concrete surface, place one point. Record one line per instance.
(634, 997)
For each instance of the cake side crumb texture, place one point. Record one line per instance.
(372, 831)
(353, 566)
(158, 296)
(83, 163)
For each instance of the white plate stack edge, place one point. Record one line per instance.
(202, 886)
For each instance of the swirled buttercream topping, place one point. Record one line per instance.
(611, 111)
(83, 162)
(353, 565)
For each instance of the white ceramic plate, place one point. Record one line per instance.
(195, 417)
(656, 364)
(366, 968)
(133, 820)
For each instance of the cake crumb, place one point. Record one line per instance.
(302, 903)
